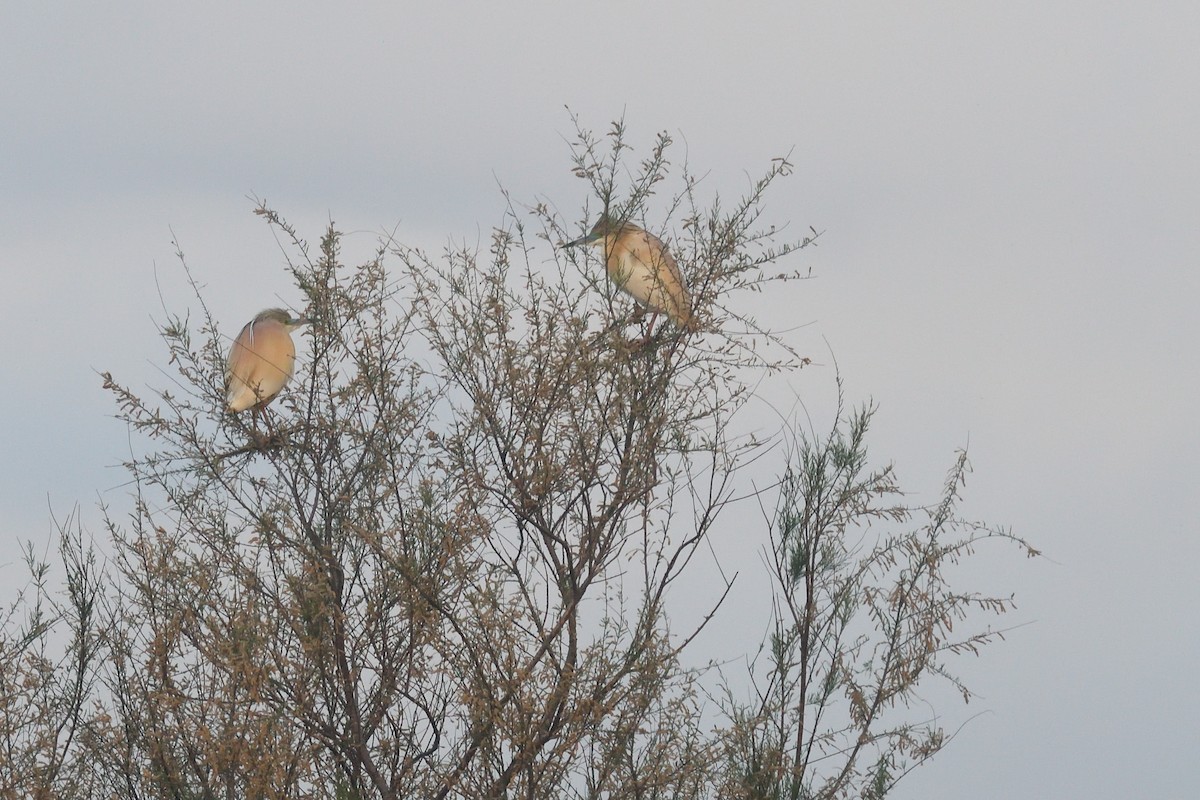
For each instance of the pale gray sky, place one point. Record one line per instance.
(1011, 199)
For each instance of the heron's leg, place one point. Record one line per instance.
(650, 327)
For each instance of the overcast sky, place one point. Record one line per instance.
(1010, 194)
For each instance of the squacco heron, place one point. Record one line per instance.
(261, 360)
(640, 265)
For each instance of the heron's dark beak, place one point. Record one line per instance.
(591, 237)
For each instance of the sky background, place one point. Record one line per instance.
(1010, 195)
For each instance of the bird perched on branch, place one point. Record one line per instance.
(261, 360)
(639, 263)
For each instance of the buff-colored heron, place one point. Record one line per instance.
(261, 360)
(640, 264)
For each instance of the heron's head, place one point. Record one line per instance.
(283, 317)
(605, 226)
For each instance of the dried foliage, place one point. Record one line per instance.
(440, 565)
(863, 613)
